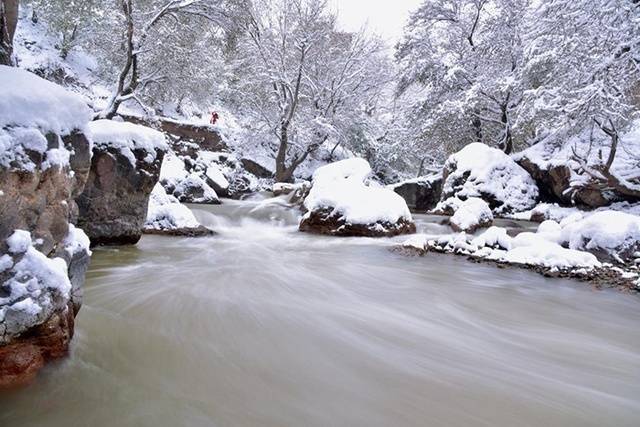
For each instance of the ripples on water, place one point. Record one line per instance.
(265, 326)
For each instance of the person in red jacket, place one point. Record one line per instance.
(214, 118)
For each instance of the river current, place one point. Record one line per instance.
(264, 326)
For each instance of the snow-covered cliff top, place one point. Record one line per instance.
(128, 137)
(27, 100)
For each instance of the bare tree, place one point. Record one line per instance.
(304, 79)
(137, 34)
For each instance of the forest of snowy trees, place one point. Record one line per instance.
(508, 73)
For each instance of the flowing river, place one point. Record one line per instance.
(265, 326)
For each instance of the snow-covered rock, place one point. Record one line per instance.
(166, 215)
(28, 101)
(341, 203)
(608, 234)
(447, 207)
(187, 187)
(487, 173)
(471, 215)
(128, 138)
(422, 193)
(36, 305)
(124, 169)
(36, 286)
(38, 119)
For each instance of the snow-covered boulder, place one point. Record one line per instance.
(124, 169)
(487, 173)
(421, 194)
(471, 215)
(608, 234)
(187, 187)
(341, 203)
(45, 158)
(166, 215)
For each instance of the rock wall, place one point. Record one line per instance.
(36, 322)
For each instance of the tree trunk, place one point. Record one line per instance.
(421, 168)
(282, 174)
(508, 138)
(477, 126)
(8, 24)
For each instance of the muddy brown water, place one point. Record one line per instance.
(265, 326)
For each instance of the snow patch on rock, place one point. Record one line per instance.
(31, 109)
(36, 286)
(128, 137)
(167, 213)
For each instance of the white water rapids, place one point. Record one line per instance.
(264, 326)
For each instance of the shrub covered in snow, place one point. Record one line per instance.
(487, 173)
(471, 215)
(341, 203)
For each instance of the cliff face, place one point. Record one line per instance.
(58, 169)
(44, 164)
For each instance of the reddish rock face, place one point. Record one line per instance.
(325, 222)
(21, 359)
(41, 201)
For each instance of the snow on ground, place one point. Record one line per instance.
(553, 211)
(485, 172)
(36, 49)
(495, 244)
(342, 187)
(167, 213)
(127, 137)
(37, 286)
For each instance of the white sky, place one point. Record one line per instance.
(384, 17)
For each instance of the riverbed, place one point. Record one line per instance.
(261, 325)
